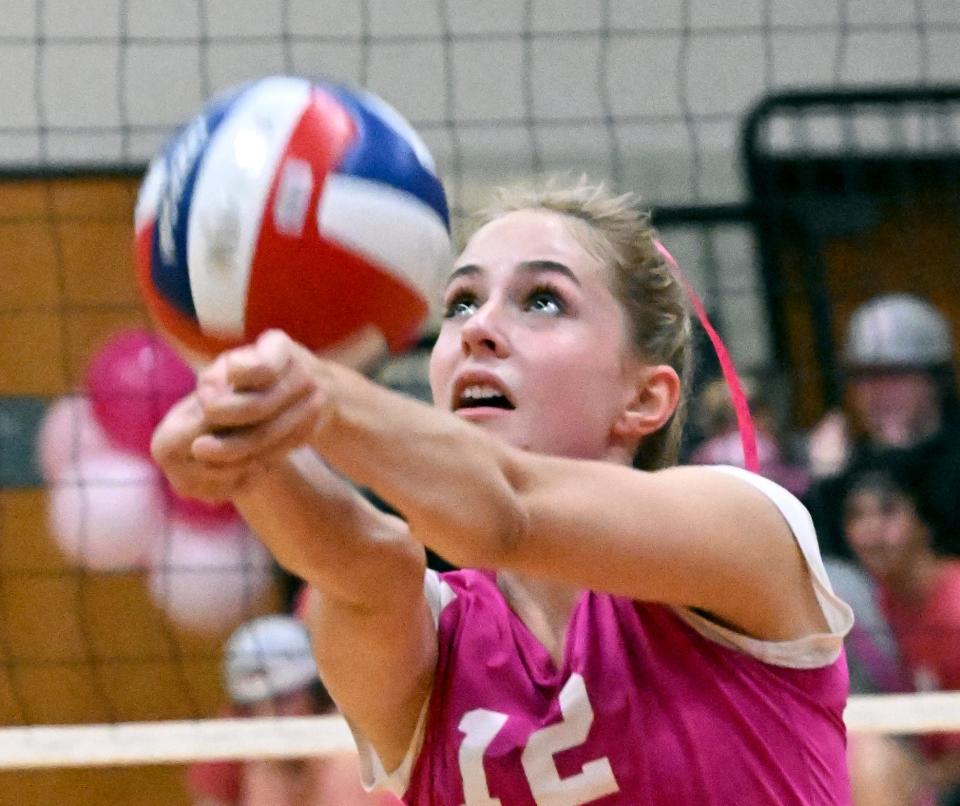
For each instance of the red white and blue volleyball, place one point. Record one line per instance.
(297, 205)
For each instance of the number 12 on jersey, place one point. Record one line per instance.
(481, 726)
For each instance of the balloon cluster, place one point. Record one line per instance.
(110, 508)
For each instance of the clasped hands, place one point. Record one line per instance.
(252, 406)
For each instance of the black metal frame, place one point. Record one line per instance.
(775, 213)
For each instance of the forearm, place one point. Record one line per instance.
(321, 529)
(679, 536)
(452, 482)
(449, 479)
(371, 629)
(378, 665)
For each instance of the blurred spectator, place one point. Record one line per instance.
(269, 670)
(904, 413)
(717, 420)
(873, 657)
(891, 529)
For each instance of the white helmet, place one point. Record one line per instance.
(267, 657)
(897, 331)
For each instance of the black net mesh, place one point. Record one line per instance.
(799, 158)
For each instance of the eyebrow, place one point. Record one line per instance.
(527, 267)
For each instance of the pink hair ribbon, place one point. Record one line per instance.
(748, 439)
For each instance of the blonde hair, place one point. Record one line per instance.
(615, 230)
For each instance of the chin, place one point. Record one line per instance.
(879, 568)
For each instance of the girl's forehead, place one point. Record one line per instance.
(880, 494)
(526, 235)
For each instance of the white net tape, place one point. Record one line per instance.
(295, 737)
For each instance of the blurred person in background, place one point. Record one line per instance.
(891, 530)
(269, 670)
(903, 416)
(722, 443)
(903, 412)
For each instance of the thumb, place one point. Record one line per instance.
(259, 366)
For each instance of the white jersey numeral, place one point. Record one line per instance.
(594, 781)
(479, 728)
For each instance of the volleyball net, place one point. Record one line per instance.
(798, 158)
(172, 742)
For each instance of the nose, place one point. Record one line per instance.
(483, 333)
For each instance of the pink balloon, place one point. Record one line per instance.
(133, 381)
(107, 511)
(69, 432)
(209, 578)
(198, 512)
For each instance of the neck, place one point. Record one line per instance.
(544, 607)
(621, 454)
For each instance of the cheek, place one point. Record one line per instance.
(858, 534)
(574, 373)
(900, 531)
(581, 390)
(863, 528)
(916, 398)
(441, 365)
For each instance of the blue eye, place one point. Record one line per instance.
(546, 301)
(461, 305)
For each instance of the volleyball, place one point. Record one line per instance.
(296, 205)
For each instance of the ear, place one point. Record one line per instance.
(650, 403)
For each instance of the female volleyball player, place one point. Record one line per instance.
(654, 636)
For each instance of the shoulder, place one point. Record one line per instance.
(815, 649)
(795, 515)
(793, 511)
(778, 494)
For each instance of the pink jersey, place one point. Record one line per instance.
(650, 705)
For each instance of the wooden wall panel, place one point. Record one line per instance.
(66, 278)
(911, 248)
(28, 266)
(75, 646)
(97, 264)
(86, 330)
(31, 353)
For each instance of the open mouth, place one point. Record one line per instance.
(482, 396)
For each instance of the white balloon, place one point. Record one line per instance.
(68, 433)
(209, 577)
(106, 510)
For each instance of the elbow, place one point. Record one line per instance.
(498, 543)
(508, 539)
(514, 519)
(503, 533)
